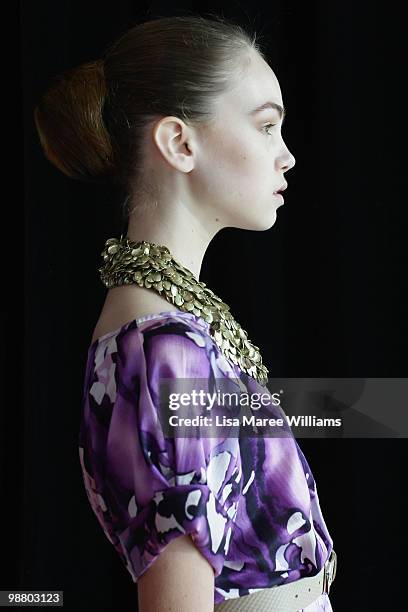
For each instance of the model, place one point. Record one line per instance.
(185, 115)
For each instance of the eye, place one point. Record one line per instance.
(268, 126)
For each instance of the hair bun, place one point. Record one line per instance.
(69, 121)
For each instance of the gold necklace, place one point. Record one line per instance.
(152, 266)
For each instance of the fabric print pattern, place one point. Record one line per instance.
(249, 504)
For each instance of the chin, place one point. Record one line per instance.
(261, 223)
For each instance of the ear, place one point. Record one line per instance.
(173, 138)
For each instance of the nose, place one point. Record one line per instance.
(290, 162)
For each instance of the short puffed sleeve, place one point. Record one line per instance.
(146, 487)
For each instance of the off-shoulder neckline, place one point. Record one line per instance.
(150, 317)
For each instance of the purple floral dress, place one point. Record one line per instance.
(249, 503)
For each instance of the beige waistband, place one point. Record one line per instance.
(289, 597)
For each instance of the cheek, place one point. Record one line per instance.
(239, 165)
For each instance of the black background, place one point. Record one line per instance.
(322, 292)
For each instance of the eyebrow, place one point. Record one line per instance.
(281, 109)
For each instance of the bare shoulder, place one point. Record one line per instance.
(128, 302)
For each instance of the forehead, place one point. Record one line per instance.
(257, 85)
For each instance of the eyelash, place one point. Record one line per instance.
(269, 125)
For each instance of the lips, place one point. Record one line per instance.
(281, 188)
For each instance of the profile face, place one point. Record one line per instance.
(244, 157)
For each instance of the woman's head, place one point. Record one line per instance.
(166, 114)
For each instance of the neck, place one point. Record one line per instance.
(174, 226)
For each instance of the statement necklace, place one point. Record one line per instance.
(152, 266)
